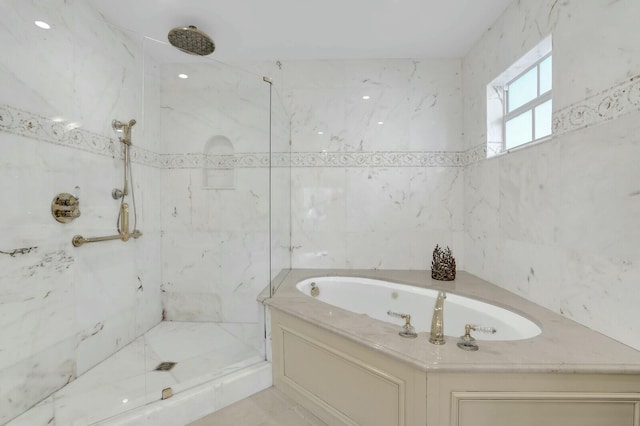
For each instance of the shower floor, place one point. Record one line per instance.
(128, 379)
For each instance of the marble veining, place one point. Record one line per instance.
(126, 380)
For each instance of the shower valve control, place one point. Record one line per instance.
(65, 207)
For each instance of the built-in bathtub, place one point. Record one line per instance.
(340, 356)
(375, 298)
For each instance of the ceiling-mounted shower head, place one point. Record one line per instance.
(191, 40)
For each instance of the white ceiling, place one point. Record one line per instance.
(307, 29)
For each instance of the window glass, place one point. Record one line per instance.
(523, 90)
(518, 130)
(543, 120)
(545, 75)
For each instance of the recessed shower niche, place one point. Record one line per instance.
(218, 169)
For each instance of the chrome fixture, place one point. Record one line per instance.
(191, 40)
(437, 322)
(315, 291)
(65, 207)
(468, 343)
(407, 329)
(122, 222)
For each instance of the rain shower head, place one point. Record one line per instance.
(191, 40)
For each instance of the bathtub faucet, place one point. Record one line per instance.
(437, 322)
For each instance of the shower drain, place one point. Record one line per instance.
(165, 366)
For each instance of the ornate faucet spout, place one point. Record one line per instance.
(437, 322)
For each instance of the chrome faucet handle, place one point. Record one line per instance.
(407, 329)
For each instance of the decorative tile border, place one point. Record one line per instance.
(195, 161)
(609, 104)
(377, 159)
(323, 159)
(34, 126)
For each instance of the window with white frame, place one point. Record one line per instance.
(519, 102)
(527, 115)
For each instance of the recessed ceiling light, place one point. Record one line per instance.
(321, 133)
(380, 122)
(183, 76)
(124, 401)
(42, 25)
(365, 97)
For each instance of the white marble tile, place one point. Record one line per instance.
(599, 184)
(42, 414)
(68, 308)
(36, 377)
(435, 106)
(215, 100)
(529, 193)
(555, 222)
(418, 103)
(126, 380)
(74, 80)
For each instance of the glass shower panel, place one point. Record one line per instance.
(213, 132)
(280, 188)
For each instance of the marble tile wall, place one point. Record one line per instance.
(378, 182)
(64, 309)
(557, 222)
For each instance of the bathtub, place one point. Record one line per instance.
(334, 355)
(375, 298)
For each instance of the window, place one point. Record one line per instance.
(519, 103)
(527, 115)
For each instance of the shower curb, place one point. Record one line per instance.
(193, 404)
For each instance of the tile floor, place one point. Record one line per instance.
(126, 380)
(267, 408)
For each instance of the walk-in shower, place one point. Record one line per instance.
(91, 331)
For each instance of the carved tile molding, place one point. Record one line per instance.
(609, 104)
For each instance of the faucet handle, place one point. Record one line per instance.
(482, 329)
(467, 342)
(407, 328)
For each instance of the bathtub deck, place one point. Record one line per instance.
(126, 380)
(563, 346)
